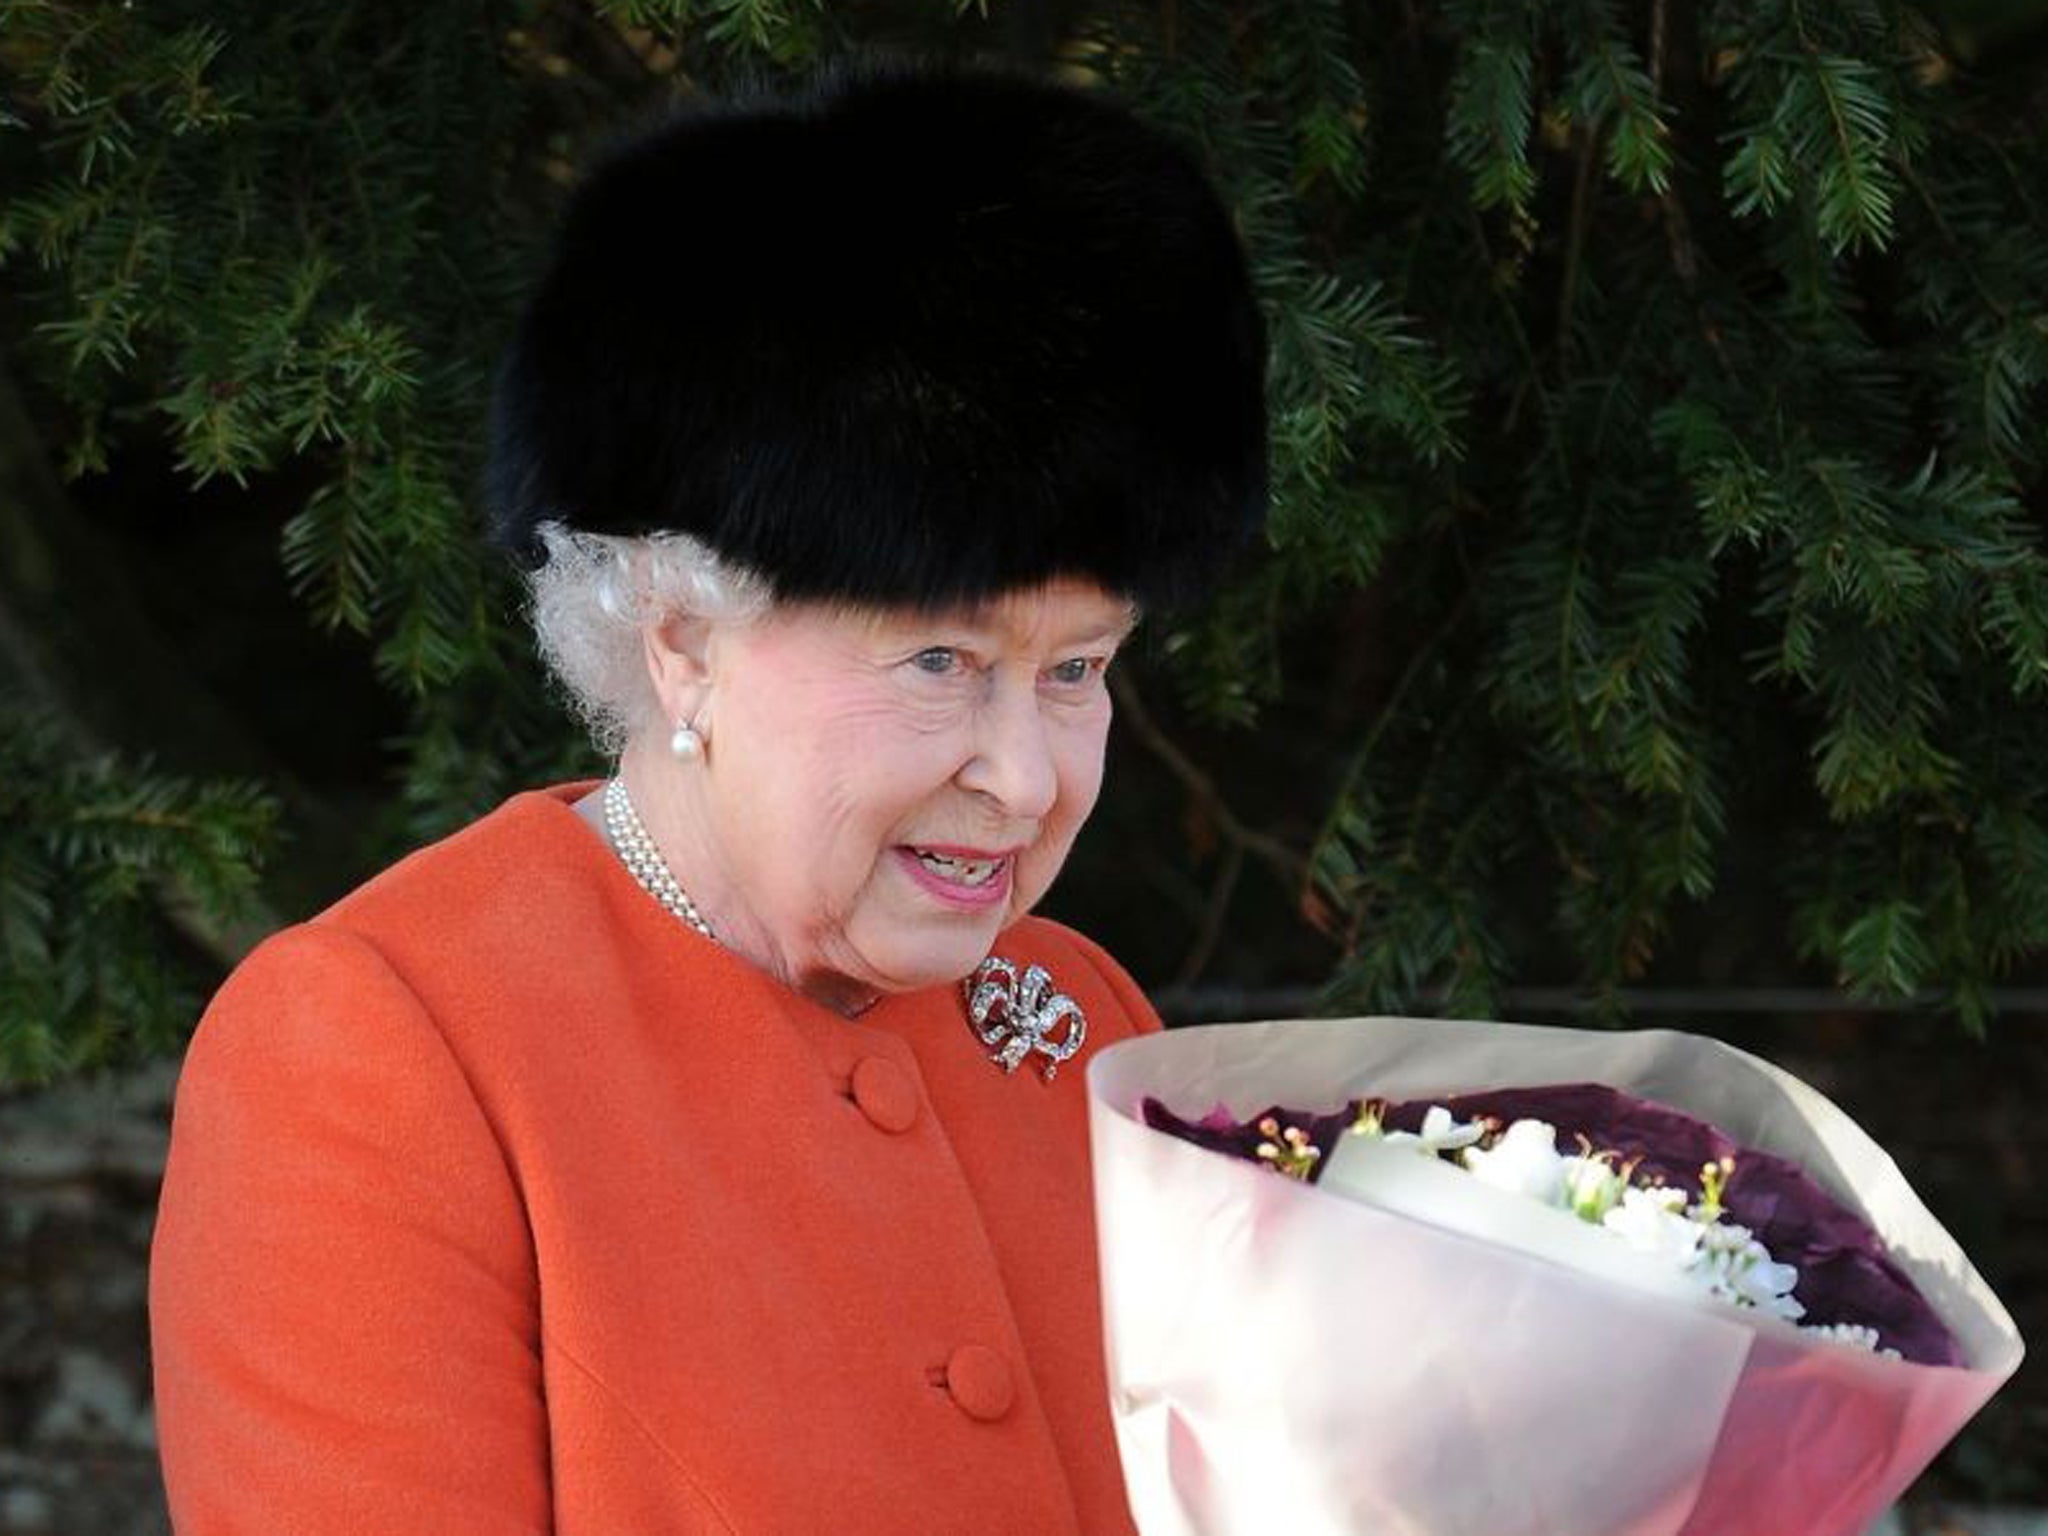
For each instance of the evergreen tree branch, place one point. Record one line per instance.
(1287, 864)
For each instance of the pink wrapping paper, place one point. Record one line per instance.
(1285, 1359)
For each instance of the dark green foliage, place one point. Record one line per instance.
(1657, 397)
(1741, 490)
(100, 859)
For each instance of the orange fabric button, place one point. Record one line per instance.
(885, 1094)
(979, 1380)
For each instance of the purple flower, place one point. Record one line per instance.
(1219, 1131)
(1845, 1275)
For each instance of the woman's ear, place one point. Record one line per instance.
(678, 651)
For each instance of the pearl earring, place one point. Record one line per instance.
(686, 743)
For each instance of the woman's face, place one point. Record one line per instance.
(886, 789)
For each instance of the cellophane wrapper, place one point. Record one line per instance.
(1283, 1359)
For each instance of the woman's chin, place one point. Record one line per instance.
(930, 953)
(938, 966)
(910, 940)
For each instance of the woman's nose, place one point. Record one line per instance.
(1012, 762)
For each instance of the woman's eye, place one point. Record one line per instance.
(1078, 670)
(938, 660)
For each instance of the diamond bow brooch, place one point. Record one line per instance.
(1019, 1015)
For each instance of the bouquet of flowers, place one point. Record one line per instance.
(1666, 1289)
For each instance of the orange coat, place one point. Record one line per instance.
(499, 1201)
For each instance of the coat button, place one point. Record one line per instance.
(979, 1380)
(885, 1093)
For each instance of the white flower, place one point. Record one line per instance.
(1653, 1221)
(1738, 1268)
(1591, 1187)
(1439, 1133)
(1855, 1335)
(1723, 1257)
(1524, 1161)
(1768, 1285)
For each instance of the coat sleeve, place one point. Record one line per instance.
(343, 1306)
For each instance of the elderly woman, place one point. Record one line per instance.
(705, 1150)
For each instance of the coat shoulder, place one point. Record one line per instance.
(1067, 953)
(488, 937)
(529, 855)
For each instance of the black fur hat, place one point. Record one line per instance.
(918, 335)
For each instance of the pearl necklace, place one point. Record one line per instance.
(636, 849)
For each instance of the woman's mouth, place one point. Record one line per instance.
(958, 876)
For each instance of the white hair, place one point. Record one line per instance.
(589, 599)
